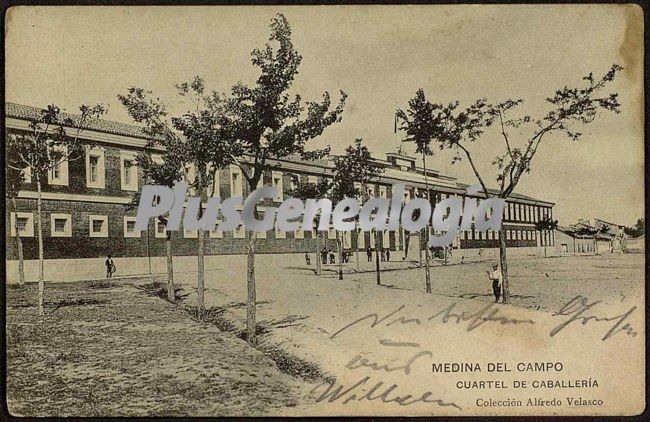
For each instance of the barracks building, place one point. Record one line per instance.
(87, 211)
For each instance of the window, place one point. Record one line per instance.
(61, 225)
(95, 168)
(161, 230)
(385, 239)
(129, 227)
(277, 183)
(382, 191)
(331, 233)
(27, 174)
(489, 235)
(370, 191)
(361, 239)
(58, 174)
(299, 234)
(25, 223)
(280, 234)
(496, 235)
(129, 171)
(216, 234)
(190, 234)
(239, 232)
(236, 182)
(509, 235)
(98, 225)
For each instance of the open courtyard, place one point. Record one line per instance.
(316, 329)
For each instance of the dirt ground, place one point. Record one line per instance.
(109, 349)
(152, 358)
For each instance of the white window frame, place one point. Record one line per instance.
(239, 232)
(27, 174)
(68, 226)
(128, 156)
(383, 192)
(136, 233)
(158, 234)
(94, 217)
(62, 180)
(234, 170)
(278, 176)
(100, 153)
(29, 227)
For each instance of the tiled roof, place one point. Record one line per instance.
(20, 111)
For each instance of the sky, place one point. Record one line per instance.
(378, 55)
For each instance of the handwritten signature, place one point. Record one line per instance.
(577, 309)
(378, 391)
(489, 313)
(360, 362)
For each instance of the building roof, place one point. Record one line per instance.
(607, 222)
(20, 111)
(24, 112)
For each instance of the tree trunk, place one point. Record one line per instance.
(19, 246)
(427, 272)
(377, 257)
(200, 282)
(200, 255)
(41, 259)
(170, 268)
(319, 264)
(339, 245)
(504, 264)
(358, 267)
(251, 335)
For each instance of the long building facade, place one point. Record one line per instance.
(88, 211)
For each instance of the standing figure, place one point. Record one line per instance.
(307, 258)
(496, 278)
(387, 254)
(110, 267)
(369, 254)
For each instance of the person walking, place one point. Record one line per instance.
(110, 267)
(496, 278)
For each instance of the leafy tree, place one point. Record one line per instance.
(352, 169)
(316, 191)
(192, 144)
(545, 224)
(52, 139)
(569, 107)
(263, 122)
(424, 122)
(636, 231)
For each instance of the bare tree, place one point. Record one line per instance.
(568, 107)
(42, 149)
(192, 144)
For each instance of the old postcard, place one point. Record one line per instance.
(407, 210)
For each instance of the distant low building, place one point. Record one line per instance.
(584, 238)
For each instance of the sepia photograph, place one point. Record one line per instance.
(324, 210)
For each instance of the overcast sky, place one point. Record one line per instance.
(379, 55)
